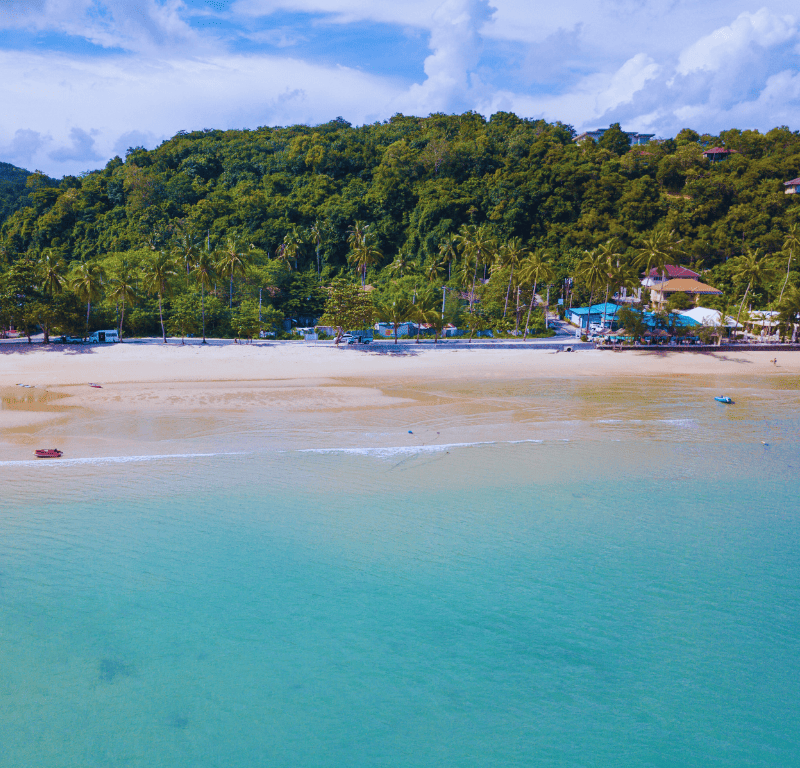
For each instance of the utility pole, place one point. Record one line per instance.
(444, 295)
(259, 304)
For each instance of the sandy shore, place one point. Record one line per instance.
(157, 395)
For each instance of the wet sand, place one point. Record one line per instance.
(167, 399)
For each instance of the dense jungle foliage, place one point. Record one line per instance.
(209, 224)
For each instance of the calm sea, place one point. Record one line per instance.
(632, 598)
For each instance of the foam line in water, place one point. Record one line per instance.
(400, 450)
(95, 460)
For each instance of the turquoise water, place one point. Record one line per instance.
(600, 603)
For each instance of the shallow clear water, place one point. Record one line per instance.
(615, 601)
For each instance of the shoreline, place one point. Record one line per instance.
(157, 399)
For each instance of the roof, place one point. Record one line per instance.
(705, 316)
(792, 183)
(673, 270)
(596, 309)
(683, 285)
(719, 151)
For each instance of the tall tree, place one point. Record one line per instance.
(593, 271)
(754, 270)
(534, 270)
(204, 276)
(509, 257)
(659, 248)
(231, 260)
(87, 282)
(363, 251)
(791, 243)
(123, 290)
(156, 272)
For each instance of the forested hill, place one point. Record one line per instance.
(13, 192)
(416, 180)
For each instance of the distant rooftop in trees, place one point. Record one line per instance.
(717, 154)
(634, 138)
(791, 186)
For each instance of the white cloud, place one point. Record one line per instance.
(95, 105)
(727, 44)
(456, 45)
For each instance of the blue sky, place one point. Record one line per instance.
(85, 79)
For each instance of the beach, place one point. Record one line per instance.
(166, 398)
(299, 555)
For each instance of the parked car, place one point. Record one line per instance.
(103, 337)
(70, 339)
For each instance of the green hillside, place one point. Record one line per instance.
(289, 200)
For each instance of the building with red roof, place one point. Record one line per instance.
(791, 186)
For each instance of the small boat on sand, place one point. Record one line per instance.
(724, 399)
(96, 386)
(48, 453)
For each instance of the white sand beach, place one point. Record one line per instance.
(176, 396)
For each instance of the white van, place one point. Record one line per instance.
(103, 337)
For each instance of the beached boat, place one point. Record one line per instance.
(724, 399)
(96, 386)
(48, 453)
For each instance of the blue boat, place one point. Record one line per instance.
(724, 399)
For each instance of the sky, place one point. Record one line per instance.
(84, 80)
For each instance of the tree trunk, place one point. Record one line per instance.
(395, 333)
(788, 267)
(605, 306)
(740, 308)
(530, 309)
(203, 305)
(230, 294)
(508, 291)
(121, 320)
(339, 333)
(516, 323)
(88, 310)
(161, 318)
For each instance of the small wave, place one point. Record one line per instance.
(400, 450)
(95, 460)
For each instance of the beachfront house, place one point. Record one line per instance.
(585, 317)
(386, 330)
(670, 272)
(791, 186)
(660, 293)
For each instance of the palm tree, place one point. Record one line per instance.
(424, 311)
(609, 252)
(753, 269)
(52, 271)
(185, 251)
(395, 312)
(87, 282)
(156, 273)
(364, 253)
(534, 270)
(434, 270)
(232, 260)
(510, 255)
(593, 270)
(448, 251)
(789, 309)
(659, 248)
(401, 264)
(790, 243)
(204, 275)
(123, 290)
(477, 247)
(292, 243)
(315, 238)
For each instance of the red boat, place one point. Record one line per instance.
(48, 453)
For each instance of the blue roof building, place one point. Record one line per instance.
(583, 317)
